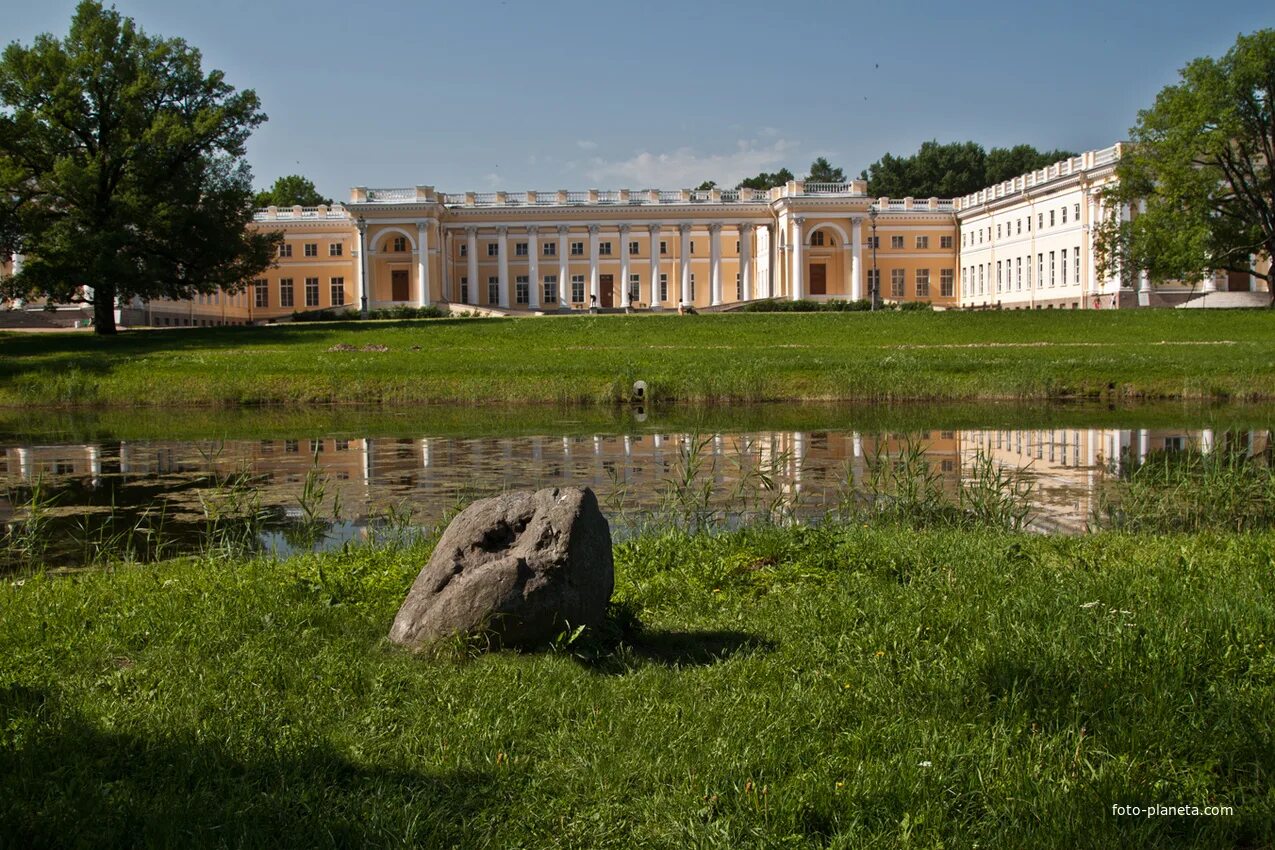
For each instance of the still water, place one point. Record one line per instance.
(95, 485)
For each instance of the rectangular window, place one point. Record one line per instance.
(577, 288)
(945, 242)
(1076, 209)
(577, 249)
(1040, 221)
(1040, 270)
(312, 249)
(522, 289)
(922, 283)
(550, 289)
(663, 284)
(1064, 215)
(980, 278)
(285, 250)
(896, 241)
(338, 291)
(604, 249)
(1019, 228)
(336, 249)
(312, 292)
(464, 249)
(692, 244)
(285, 292)
(998, 231)
(1063, 268)
(493, 289)
(1076, 265)
(464, 290)
(1051, 268)
(1028, 266)
(874, 242)
(520, 249)
(550, 249)
(1018, 274)
(261, 293)
(400, 244)
(947, 285)
(923, 242)
(663, 247)
(633, 249)
(692, 287)
(896, 283)
(998, 275)
(493, 249)
(635, 287)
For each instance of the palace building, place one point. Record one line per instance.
(1026, 243)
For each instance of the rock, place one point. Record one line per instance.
(519, 568)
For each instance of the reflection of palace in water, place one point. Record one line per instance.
(809, 468)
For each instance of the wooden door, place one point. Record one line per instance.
(818, 279)
(399, 285)
(606, 290)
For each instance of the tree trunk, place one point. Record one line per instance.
(104, 310)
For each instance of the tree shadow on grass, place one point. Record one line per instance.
(64, 782)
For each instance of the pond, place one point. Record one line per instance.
(154, 483)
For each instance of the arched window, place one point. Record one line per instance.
(816, 239)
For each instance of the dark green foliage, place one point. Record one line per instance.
(125, 163)
(290, 191)
(795, 687)
(1202, 159)
(822, 171)
(767, 180)
(952, 169)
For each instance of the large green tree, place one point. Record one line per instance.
(290, 191)
(123, 162)
(949, 170)
(1201, 158)
(766, 180)
(822, 171)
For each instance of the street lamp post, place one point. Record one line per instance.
(876, 275)
(362, 225)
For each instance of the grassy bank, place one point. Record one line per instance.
(836, 687)
(1195, 354)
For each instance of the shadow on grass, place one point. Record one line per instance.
(674, 649)
(66, 783)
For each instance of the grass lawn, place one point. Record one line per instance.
(834, 687)
(1198, 354)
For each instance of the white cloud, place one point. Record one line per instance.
(686, 167)
(492, 179)
(587, 145)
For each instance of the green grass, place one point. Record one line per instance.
(836, 687)
(1192, 354)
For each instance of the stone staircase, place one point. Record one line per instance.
(1227, 300)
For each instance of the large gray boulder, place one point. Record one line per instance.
(519, 568)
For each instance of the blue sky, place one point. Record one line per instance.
(546, 95)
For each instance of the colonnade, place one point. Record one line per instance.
(852, 246)
(680, 289)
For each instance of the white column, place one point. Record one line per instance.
(422, 263)
(564, 267)
(1144, 445)
(1144, 279)
(360, 281)
(471, 252)
(533, 267)
(595, 295)
(655, 265)
(856, 259)
(770, 260)
(1252, 274)
(715, 263)
(684, 264)
(1206, 441)
(798, 261)
(1092, 210)
(624, 266)
(449, 269)
(502, 265)
(746, 260)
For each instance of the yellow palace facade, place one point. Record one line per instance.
(610, 250)
(653, 249)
